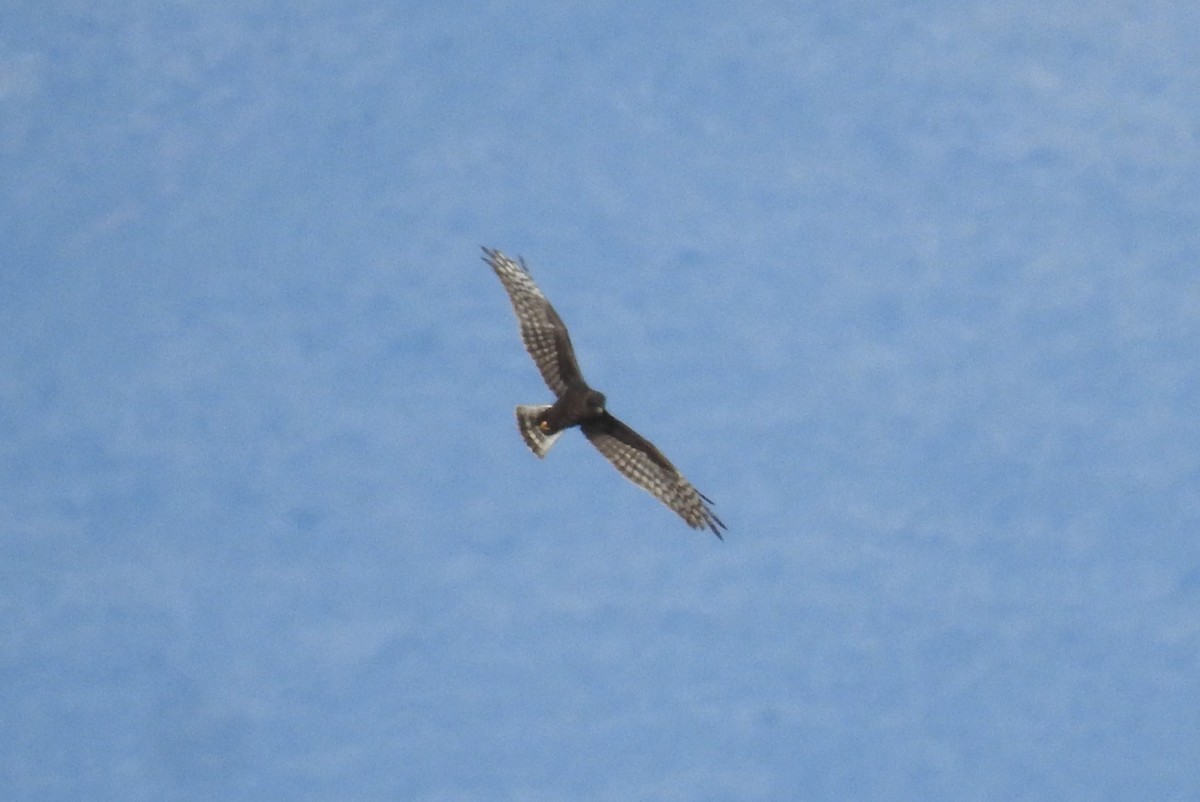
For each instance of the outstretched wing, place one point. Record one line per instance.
(638, 459)
(542, 330)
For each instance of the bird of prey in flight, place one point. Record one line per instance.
(577, 404)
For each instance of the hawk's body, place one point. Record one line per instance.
(546, 339)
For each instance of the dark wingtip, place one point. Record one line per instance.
(714, 523)
(711, 519)
(491, 256)
(717, 522)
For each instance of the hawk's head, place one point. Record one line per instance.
(595, 402)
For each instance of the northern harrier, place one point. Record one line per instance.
(547, 341)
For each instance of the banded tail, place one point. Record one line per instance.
(538, 441)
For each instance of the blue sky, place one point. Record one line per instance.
(912, 293)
